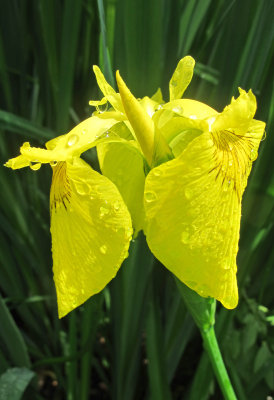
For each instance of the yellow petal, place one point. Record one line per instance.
(192, 109)
(238, 114)
(193, 210)
(97, 103)
(181, 77)
(109, 93)
(17, 162)
(36, 154)
(139, 119)
(64, 147)
(91, 230)
(123, 164)
(158, 96)
(178, 130)
(82, 137)
(148, 105)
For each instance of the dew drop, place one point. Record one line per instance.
(150, 197)
(158, 172)
(174, 83)
(35, 166)
(128, 233)
(253, 155)
(193, 116)
(202, 289)
(82, 188)
(185, 237)
(53, 163)
(72, 140)
(116, 205)
(102, 108)
(159, 107)
(188, 193)
(104, 210)
(84, 131)
(225, 264)
(177, 109)
(103, 249)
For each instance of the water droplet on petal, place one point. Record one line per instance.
(158, 172)
(53, 163)
(84, 131)
(104, 210)
(35, 166)
(173, 83)
(116, 205)
(185, 237)
(177, 109)
(188, 193)
(128, 233)
(82, 188)
(159, 107)
(150, 196)
(253, 155)
(72, 140)
(103, 249)
(226, 264)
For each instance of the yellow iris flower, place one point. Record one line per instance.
(177, 170)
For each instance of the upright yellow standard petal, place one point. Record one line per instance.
(193, 210)
(181, 78)
(140, 120)
(91, 230)
(109, 93)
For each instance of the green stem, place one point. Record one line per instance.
(213, 351)
(72, 365)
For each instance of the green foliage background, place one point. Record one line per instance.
(135, 340)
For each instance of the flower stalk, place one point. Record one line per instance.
(202, 311)
(212, 348)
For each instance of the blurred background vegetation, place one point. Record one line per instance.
(135, 340)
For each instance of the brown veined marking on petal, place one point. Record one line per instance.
(233, 159)
(60, 191)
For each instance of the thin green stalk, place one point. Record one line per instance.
(90, 319)
(72, 365)
(213, 351)
(107, 63)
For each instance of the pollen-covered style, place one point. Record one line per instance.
(177, 170)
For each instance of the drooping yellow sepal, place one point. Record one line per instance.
(91, 230)
(141, 122)
(193, 221)
(193, 209)
(181, 78)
